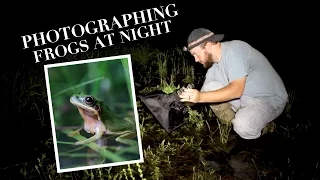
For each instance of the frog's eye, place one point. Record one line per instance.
(89, 100)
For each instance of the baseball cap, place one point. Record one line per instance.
(200, 35)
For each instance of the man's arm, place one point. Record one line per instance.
(232, 91)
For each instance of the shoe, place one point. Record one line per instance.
(269, 128)
(223, 112)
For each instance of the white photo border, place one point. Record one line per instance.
(126, 56)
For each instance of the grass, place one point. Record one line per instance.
(198, 150)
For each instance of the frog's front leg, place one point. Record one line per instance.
(125, 138)
(75, 132)
(96, 136)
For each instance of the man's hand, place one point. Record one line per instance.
(190, 95)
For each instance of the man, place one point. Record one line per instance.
(241, 85)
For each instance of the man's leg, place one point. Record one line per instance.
(270, 127)
(252, 117)
(225, 111)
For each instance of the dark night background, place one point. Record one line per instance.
(284, 33)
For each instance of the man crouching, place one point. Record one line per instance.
(241, 85)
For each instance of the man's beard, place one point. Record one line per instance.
(209, 60)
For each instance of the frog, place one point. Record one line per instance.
(100, 120)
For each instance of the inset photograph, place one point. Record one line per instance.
(93, 112)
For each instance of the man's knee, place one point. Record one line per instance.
(245, 131)
(252, 118)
